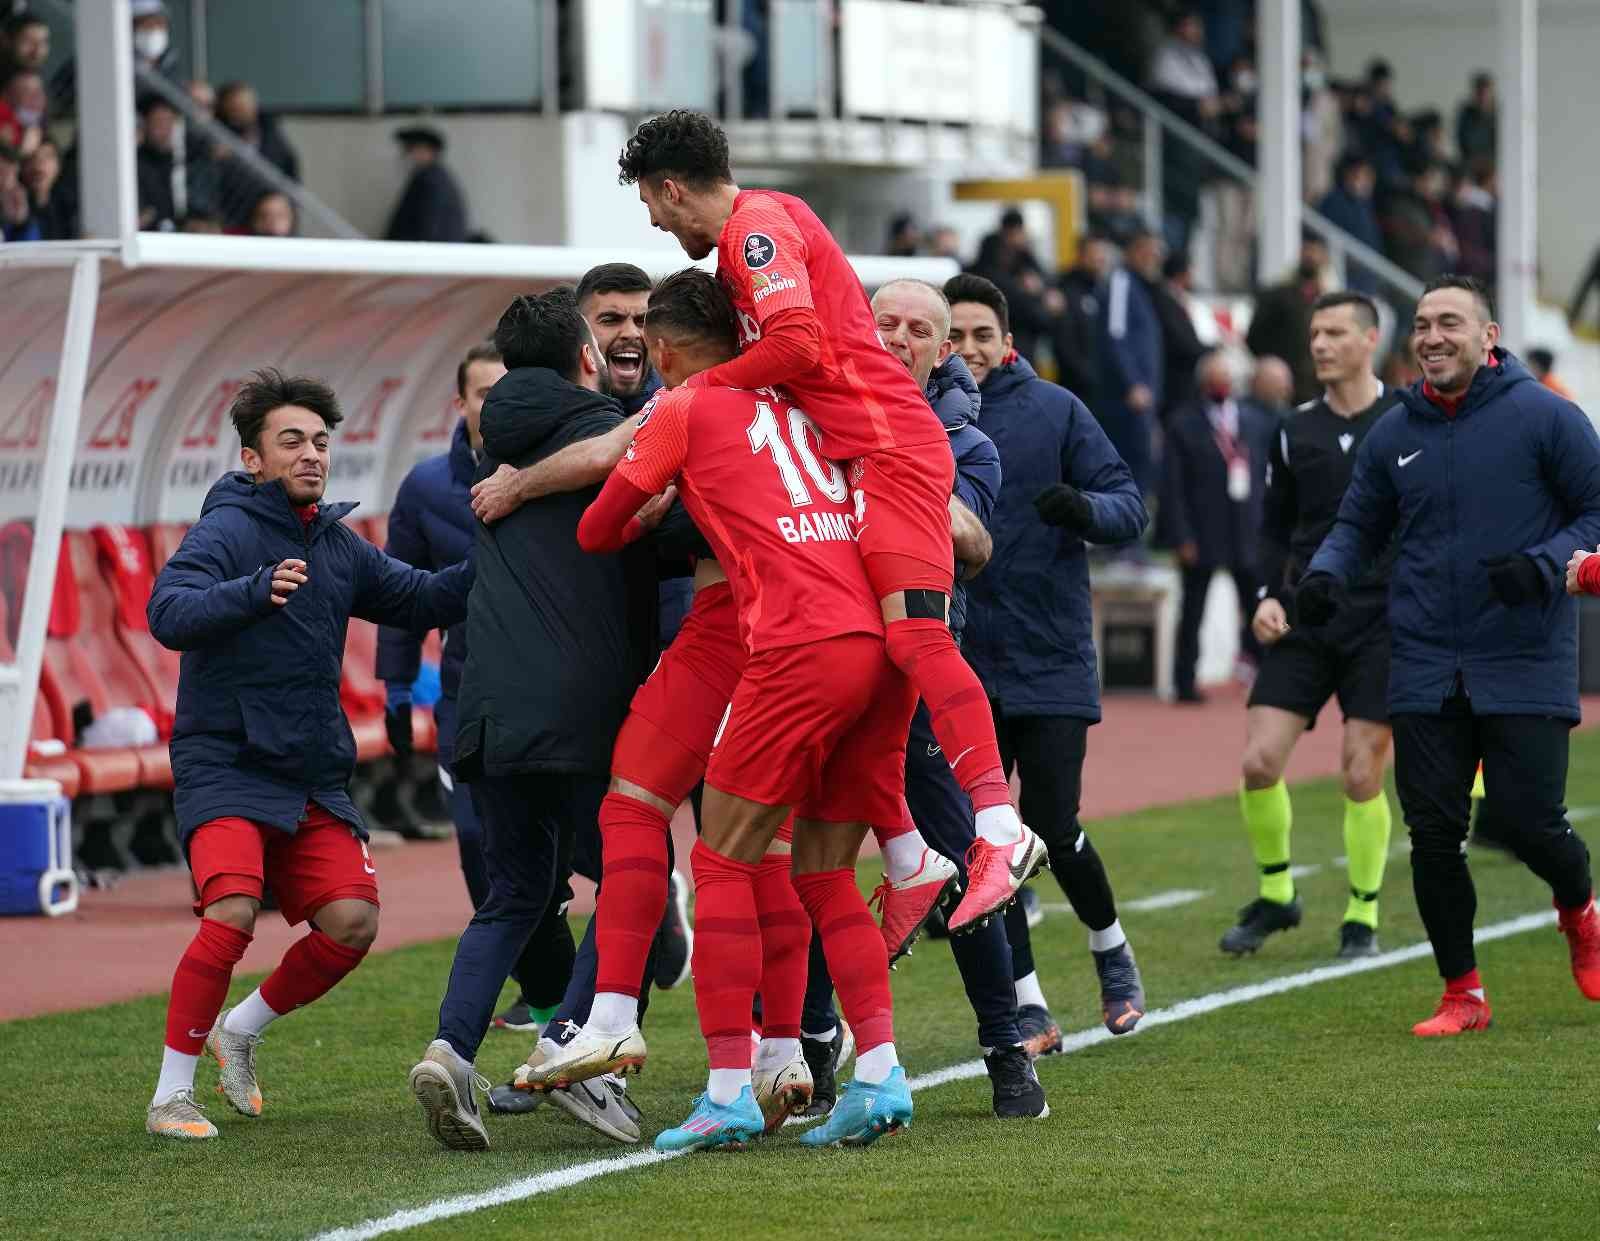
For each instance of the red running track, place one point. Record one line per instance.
(124, 943)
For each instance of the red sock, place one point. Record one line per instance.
(926, 652)
(1465, 982)
(785, 949)
(633, 894)
(727, 954)
(854, 948)
(200, 983)
(308, 971)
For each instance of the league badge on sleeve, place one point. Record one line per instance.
(759, 250)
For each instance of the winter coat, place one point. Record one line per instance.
(954, 395)
(260, 729)
(1028, 633)
(1516, 470)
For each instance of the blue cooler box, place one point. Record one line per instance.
(36, 875)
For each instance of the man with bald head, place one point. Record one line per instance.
(1272, 385)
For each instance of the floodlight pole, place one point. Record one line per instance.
(1517, 154)
(1278, 191)
(107, 175)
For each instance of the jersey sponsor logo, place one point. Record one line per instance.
(1345, 441)
(766, 286)
(759, 250)
(649, 408)
(818, 528)
(1408, 458)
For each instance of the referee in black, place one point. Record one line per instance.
(1488, 482)
(1313, 454)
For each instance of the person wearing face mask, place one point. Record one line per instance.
(152, 52)
(1488, 484)
(53, 209)
(1280, 324)
(1213, 481)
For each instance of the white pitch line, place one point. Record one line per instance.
(1165, 900)
(1199, 1006)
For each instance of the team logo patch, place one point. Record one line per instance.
(1345, 441)
(759, 250)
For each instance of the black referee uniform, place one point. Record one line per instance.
(1313, 456)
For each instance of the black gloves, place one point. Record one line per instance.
(1516, 579)
(1314, 603)
(1062, 504)
(397, 723)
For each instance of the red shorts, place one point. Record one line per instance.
(324, 860)
(903, 515)
(820, 727)
(672, 722)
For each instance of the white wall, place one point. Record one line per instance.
(1434, 49)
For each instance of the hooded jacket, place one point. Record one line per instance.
(557, 639)
(260, 729)
(953, 393)
(1028, 631)
(431, 527)
(1515, 471)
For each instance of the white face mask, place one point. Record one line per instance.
(1315, 79)
(150, 45)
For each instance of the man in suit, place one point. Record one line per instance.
(1212, 488)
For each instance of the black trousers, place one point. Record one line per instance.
(1196, 581)
(1048, 751)
(530, 829)
(1524, 765)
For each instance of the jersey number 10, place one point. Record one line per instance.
(765, 433)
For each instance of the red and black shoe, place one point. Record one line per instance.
(1458, 1013)
(1582, 929)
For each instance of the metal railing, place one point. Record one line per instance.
(1160, 121)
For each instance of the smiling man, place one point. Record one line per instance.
(257, 598)
(1489, 482)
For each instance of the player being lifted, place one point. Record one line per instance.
(1313, 457)
(804, 323)
(817, 724)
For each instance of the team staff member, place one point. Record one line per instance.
(1028, 625)
(1313, 454)
(257, 598)
(1490, 482)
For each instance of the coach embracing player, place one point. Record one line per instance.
(1490, 482)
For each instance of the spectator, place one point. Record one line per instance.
(1400, 370)
(1068, 130)
(152, 52)
(1234, 250)
(272, 215)
(1213, 480)
(1476, 123)
(51, 207)
(1541, 362)
(1321, 124)
(432, 207)
(22, 102)
(1384, 133)
(944, 243)
(204, 97)
(1472, 217)
(905, 238)
(1280, 324)
(1272, 385)
(1428, 138)
(240, 188)
(1077, 344)
(1417, 231)
(1182, 77)
(1113, 202)
(1349, 205)
(1134, 354)
(1182, 349)
(1006, 258)
(16, 220)
(169, 189)
(24, 44)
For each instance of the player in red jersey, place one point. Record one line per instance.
(816, 725)
(805, 324)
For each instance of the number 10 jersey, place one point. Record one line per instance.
(779, 515)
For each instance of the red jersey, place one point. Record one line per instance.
(777, 514)
(774, 254)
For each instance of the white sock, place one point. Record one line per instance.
(902, 856)
(1477, 991)
(999, 825)
(177, 1073)
(612, 1013)
(776, 1051)
(251, 1015)
(825, 1037)
(724, 1085)
(1029, 991)
(549, 1046)
(873, 1066)
(1106, 940)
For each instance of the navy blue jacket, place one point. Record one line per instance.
(954, 395)
(1130, 339)
(1517, 470)
(1028, 633)
(431, 527)
(260, 730)
(1195, 507)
